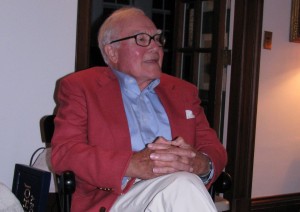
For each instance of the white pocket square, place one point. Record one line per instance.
(189, 114)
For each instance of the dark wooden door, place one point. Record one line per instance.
(201, 41)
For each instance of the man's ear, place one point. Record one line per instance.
(111, 53)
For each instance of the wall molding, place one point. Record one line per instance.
(278, 203)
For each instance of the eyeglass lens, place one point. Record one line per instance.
(144, 39)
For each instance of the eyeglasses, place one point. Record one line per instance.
(144, 39)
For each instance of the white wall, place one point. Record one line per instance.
(37, 47)
(277, 145)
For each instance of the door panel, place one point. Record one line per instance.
(200, 38)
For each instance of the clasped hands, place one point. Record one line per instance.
(164, 157)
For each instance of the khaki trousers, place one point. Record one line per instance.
(177, 192)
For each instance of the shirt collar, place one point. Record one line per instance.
(128, 83)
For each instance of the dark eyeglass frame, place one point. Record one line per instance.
(160, 43)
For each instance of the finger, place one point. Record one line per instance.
(169, 157)
(159, 143)
(157, 146)
(186, 160)
(180, 142)
(161, 140)
(169, 167)
(176, 151)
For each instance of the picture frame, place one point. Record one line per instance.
(295, 22)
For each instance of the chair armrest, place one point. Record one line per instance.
(66, 187)
(221, 185)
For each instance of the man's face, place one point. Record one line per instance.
(142, 63)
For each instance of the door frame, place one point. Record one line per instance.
(246, 49)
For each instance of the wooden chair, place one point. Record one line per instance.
(66, 182)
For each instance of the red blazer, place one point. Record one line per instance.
(92, 136)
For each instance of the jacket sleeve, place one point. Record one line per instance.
(207, 140)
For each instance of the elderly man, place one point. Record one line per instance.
(136, 139)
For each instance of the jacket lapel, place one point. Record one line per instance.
(169, 96)
(110, 101)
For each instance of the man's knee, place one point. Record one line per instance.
(184, 178)
(184, 192)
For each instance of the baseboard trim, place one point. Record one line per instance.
(282, 203)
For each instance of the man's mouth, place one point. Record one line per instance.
(151, 60)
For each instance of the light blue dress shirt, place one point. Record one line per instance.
(147, 118)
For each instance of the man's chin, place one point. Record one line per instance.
(156, 74)
(154, 68)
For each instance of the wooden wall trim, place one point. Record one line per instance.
(243, 100)
(83, 34)
(287, 202)
(217, 64)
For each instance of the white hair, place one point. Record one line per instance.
(112, 27)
